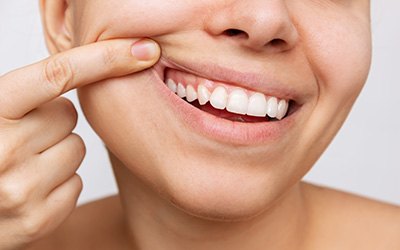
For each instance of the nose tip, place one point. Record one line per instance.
(262, 26)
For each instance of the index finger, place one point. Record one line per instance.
(24, 89)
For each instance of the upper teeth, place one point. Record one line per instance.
(203, 94)
(237, 101)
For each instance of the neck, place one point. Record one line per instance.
(155, 223)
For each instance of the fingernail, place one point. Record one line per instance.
(144, 50)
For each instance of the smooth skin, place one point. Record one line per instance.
(39, 153)
(180, 190)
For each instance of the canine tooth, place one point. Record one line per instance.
(181, 90)
(238, 102)
(171, 85)
(283, 106)
(272, 107)
(191, 93)
(257, 105)
(203, 94)
(219, 97)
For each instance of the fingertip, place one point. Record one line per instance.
(146, 50)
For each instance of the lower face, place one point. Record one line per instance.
(227, 158)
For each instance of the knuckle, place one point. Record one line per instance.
(33, 226)
(58, 74)
(10, 147)
(7, 153)
(11, 144)
(110, 56)
(13, 197)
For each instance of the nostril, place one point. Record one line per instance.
(277, 43)
(274, 44)
(235, 32)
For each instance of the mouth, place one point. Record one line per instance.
(226, 101)
(244, 113)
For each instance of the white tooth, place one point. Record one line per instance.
(191, 93)
(181, 90)
(282, 109)
(272, 107)
(219, 98)
(257, 105)
(203, 94)
(171, 85)
(238, 102)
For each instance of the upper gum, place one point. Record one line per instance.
(187, 79)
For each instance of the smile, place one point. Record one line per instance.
(247, 113)
(240, 104)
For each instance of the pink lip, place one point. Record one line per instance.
(263, 83)
(216, 128)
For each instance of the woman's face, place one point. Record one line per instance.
(315, 54)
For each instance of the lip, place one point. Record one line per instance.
(216, 128)
(262, 83)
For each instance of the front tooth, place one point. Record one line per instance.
(203, 94)
(282, 109)
(238, 102)
(219, 98)
(181, 90)
(171, 85)
(257, 105)
(272, 107)
(191, 93)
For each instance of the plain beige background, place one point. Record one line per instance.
(364, 158)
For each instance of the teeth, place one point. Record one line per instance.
(219, 98)
(282, 109)
(191, 93)
(203, 94)
(272, 107)
(172, 85)
(238, 102)
(181, 90)
(257, 105)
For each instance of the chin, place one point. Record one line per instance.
(217, 192)
(220, 205)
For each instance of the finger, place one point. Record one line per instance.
(47, 125)
(60, 204)
(24, 89)
(57, 164)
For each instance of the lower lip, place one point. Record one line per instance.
(219, 129)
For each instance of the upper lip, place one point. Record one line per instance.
(253, 81)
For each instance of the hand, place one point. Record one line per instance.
(39, 154)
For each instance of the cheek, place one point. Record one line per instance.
(336, 40)
(134, 122)
(341, 68)
(137, 18)
(339, 53)
(339, 50)
(342, 63)
(123, 108)
(345, 60)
